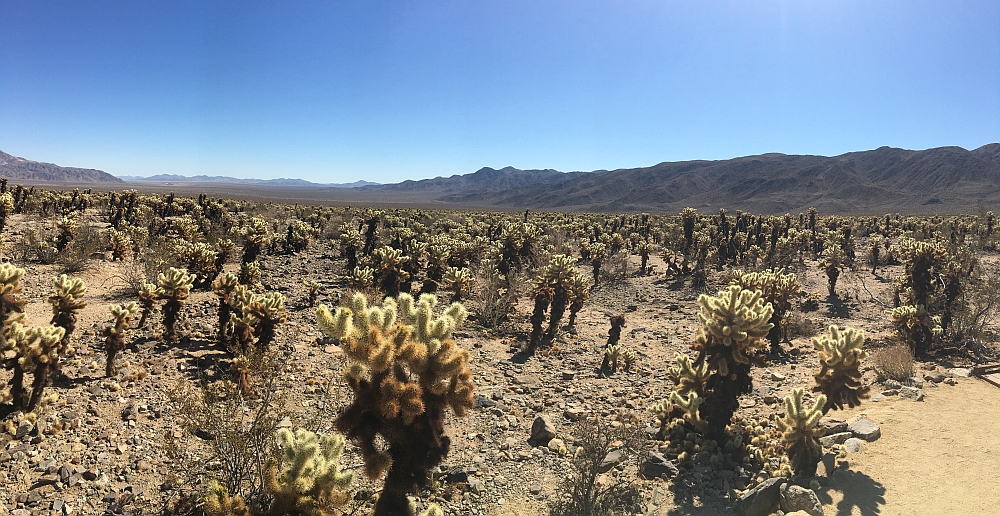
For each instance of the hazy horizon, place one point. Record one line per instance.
(389, 91)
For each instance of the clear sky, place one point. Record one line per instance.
(336, 91)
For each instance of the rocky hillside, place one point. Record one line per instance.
(877, 181)
(15, 169)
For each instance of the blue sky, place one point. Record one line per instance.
(336, 91)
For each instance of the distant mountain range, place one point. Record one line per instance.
(15, 169)
(175, 178)
(938, 180)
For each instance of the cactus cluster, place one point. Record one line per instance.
(778, 289)
(839, 378)
(801, 432)
(115, 334)
(405, 371)
(556, 287)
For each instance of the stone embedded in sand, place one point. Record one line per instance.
(761, 500)
(865, 429)
(797, 498)
(911, 393)
(853, 445)
(837, 438)
(832, 425)
(542, 431)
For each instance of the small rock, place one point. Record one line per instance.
(833, 425)
(865, 429)
(542, 431)
(853, 445)
(568, 375)
(535, 488)
(934, 376)
(837, 438)
(23, 429)
(761, 500)
(796, 498)
(911, 393)
(777, 377)
(913, 382)
(656, 465)
(960, 372)
(477, 486)
(484, 402)
(558, 446)
(877, 397)
(950, 381)
(574, 413)
(610, 460)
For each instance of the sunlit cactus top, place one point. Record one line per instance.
(840, 348)
(67, 292)
(736, 318)
(175, 283)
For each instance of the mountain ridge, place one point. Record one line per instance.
(17, 168)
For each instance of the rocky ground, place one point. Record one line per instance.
(119, 445)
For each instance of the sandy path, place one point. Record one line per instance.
(938, 456)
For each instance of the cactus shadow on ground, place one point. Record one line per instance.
(859, 491)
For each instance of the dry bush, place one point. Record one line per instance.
(88, 242)
(796, 324)
(491, 299)
(893, 362)
(614, 271)
(239, 427)
(977, 308)
(589, 492)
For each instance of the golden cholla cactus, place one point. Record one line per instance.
(36, 352)
(839, 377)
(10, 296)
(777, 288)
(218, 502)
(121, 244)
(148, 297)
(223, 286)
(689, 404)
(689, 376)
(389, 270)
(307, 480)
(313, 287)
(200, 260)
(361, 278)
(801, 432)
(270, 311)
(405, 371)
(174, 287)
(66, 300)
(457, 280)
(250, 273)
(737, 319)
(114, 335)
(914, 326)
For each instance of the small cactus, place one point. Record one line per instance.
(801, 433)
(114, 335)
(307, 480)
(174, 287)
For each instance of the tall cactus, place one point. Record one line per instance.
(36, 350)
(114, 335)
(405, 371)
(66, 301)
(174, 286)
(839, 377)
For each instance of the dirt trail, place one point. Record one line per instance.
(938, 456)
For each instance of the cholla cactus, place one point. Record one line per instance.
(361, 278)
(405, 371)
(147, 300)
(200, 259)
(66, 303)
(6, 208)
(250, 273)
(120, 243)
(114, 335)
(689, 403)
(776, 288)
(389, 272)
(223, 287)
(298, 236)
(839, 377)
(313, 287)
(256, 234)
(579, 292)
(689, 376)
(915, 326)
(69, 227)
(832, 260)
(11, 301)
(36, 350)
(307, 480)
(643, 248)
(174, 287)
(553, 287)
(612, 350)
(218, 502)
(730, 340)
(457, 281)
(801, 433)
(269, 310)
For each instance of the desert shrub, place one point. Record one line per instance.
(241, 427)
(492, 299)
(87, 243)
(37, 244)
(582, 493)
(893, 362)
(614, 270)
(976, 308)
